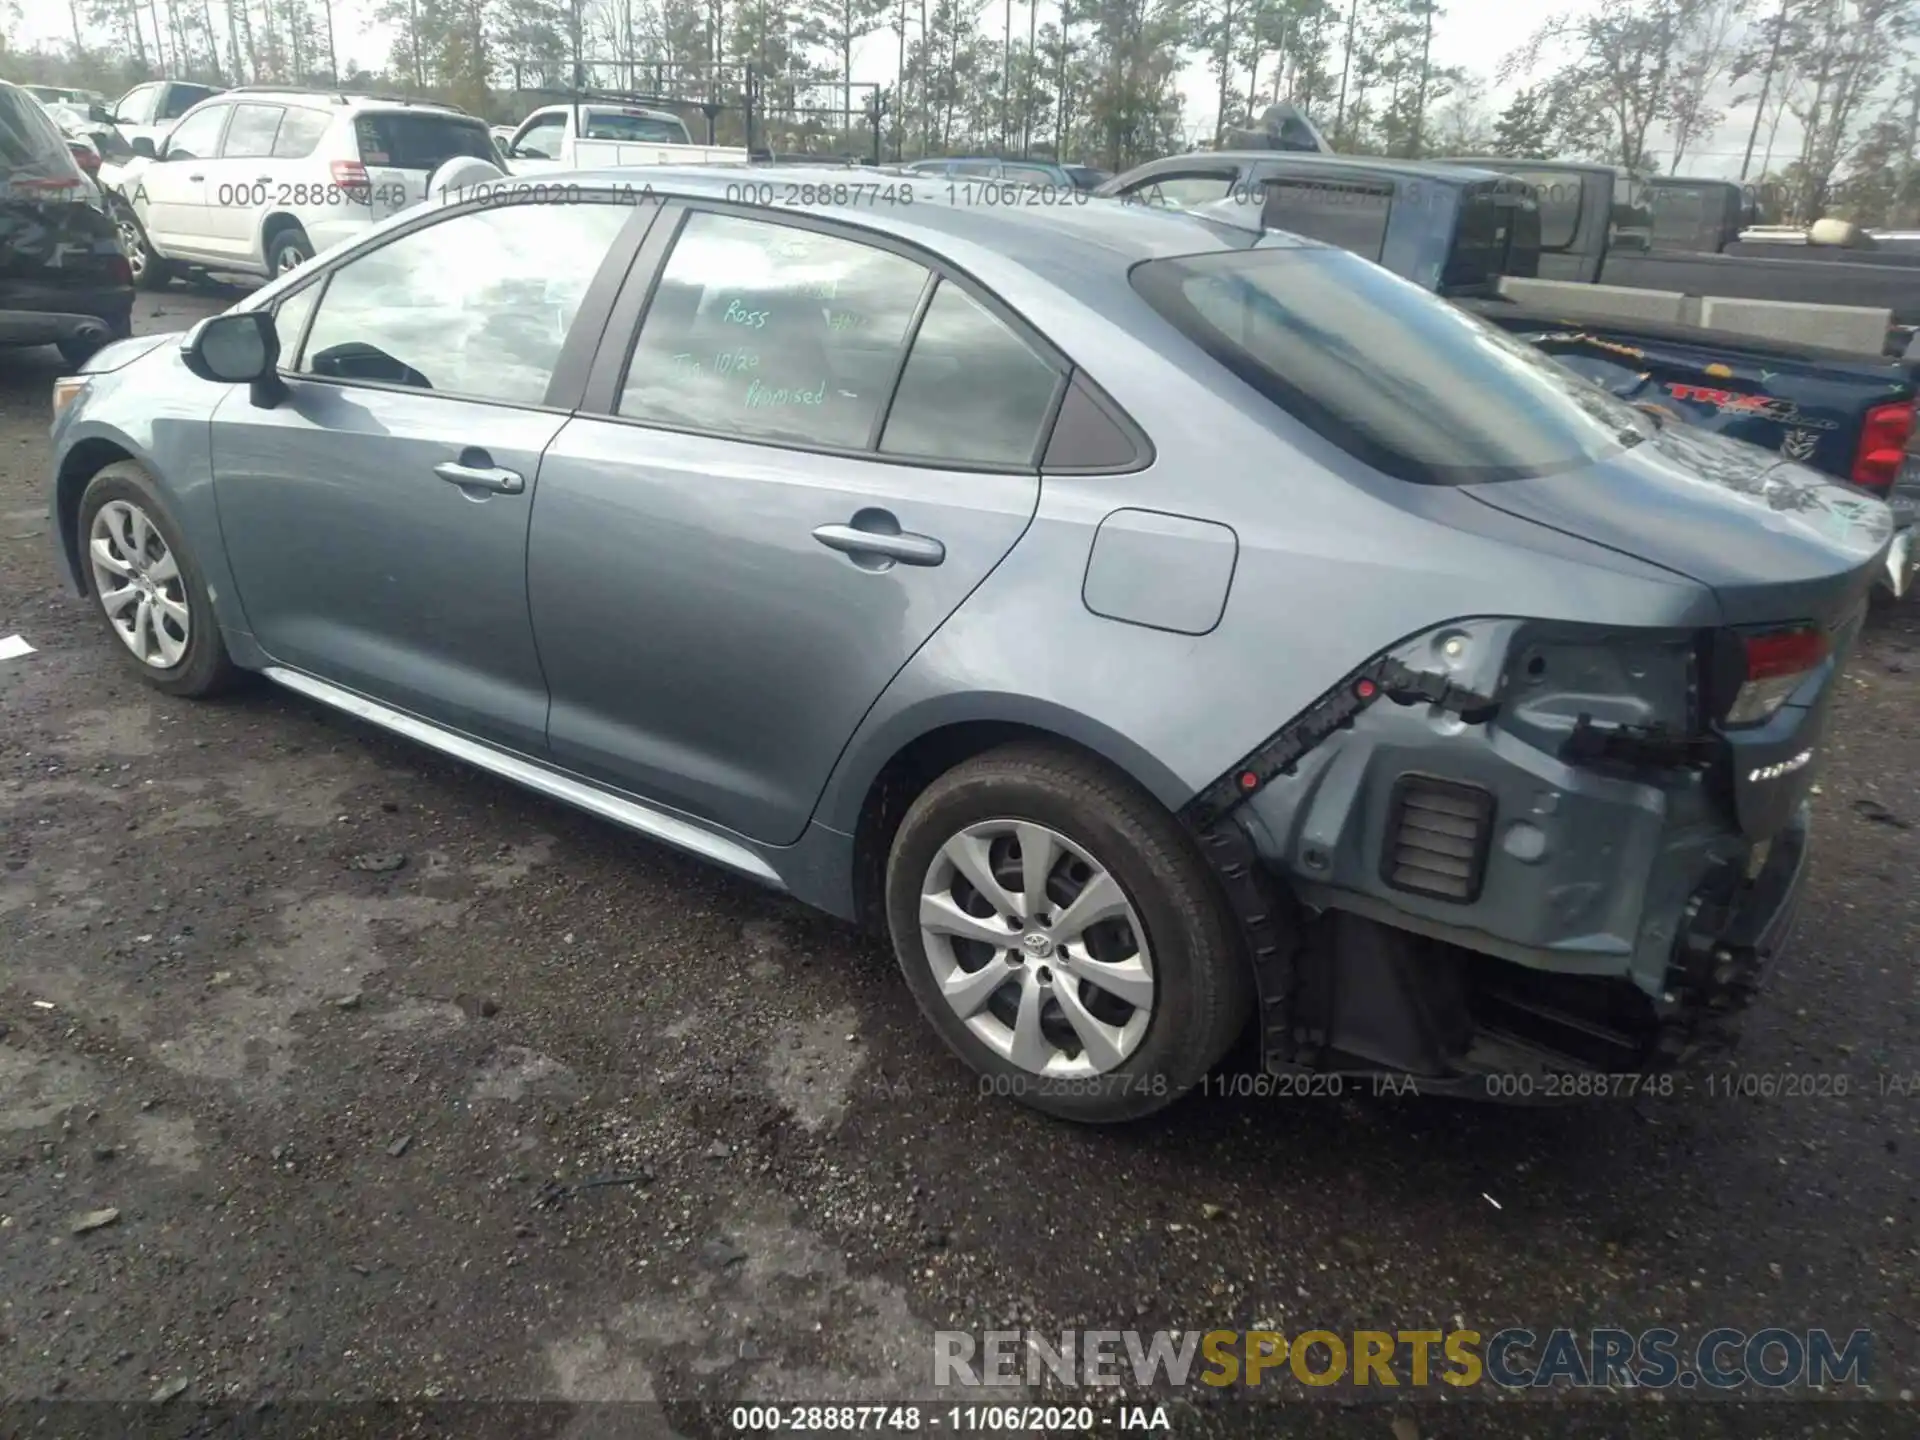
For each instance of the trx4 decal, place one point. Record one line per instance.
(1759, 407)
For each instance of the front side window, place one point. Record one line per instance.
(542, 139)
(476, 305)
(198, 136)
(136, 106)
(771, 332)
(973, 392)
(1404, 381)
(252, 131)
(290, 318)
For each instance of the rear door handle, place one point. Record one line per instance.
(876, 534)
(196, 177)
(481, 477)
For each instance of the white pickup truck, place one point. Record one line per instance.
(595, 136)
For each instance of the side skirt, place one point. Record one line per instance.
(620, 809)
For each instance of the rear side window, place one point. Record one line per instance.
(252, 131)
(405, 140)
(300, 131)
(542, 140)
(1350, 215)
(973, 391)
(1405, 382)
(773, 333)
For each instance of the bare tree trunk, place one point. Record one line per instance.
(900, 89)
(79, 45)
(1026, 82)
(333, 58)
(1420, 100)
(1226, 72)
(213, 40)
(1346, 66)
(159, 36)
(413, 43)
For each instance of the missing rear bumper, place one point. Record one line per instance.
(1354, 996)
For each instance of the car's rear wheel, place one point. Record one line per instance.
(1063, 935)
(289, 249)
(147, 586)
(150, 272)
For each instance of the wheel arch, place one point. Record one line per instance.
(879, 780)
(78, 466)
(276, 222)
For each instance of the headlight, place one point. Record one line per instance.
(66, 390)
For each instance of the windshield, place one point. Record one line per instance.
(1411, 385)
(625, 125)
(408, 140)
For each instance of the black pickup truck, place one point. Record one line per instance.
(1458, 230)
(1600, 225)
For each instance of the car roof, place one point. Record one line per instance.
(346, 101)
(1438, 171)
(1081, 247)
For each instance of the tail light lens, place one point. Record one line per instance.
(351, 175)
(86, 157)
(1883, 445)
(1776, 662)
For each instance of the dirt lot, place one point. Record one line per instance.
(344, 1111)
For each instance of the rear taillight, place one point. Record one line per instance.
(1883, 445)
(1777, 661)
(351, 175)
(86, 157)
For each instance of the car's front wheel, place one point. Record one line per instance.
(148, 587)
(1063, 935)
(150, 272)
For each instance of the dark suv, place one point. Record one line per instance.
(64, 280)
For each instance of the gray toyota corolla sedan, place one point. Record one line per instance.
(1151, 627)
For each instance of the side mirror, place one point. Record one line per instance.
(235, 349)
(142, 145)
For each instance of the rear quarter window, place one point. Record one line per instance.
(1402, 380)
(1558, 194)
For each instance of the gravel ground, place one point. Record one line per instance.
(344, 1034)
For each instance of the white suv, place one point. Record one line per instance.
(256, 180)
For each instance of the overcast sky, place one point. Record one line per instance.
(1475, 35)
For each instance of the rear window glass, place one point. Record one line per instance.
(1406, 382)
(404, 141)
(1352, 216)
(31, 145)
(647, 129)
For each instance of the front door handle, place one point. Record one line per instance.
(875, 536)
(481, 477)
(196, 177)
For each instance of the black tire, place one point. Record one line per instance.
(1203, 985)
(204, 668)
(150, 272)
(76, 350)
(287, 249)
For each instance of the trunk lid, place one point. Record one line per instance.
(1775, 541)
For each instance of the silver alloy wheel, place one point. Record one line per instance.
(139, 584)
(1037, 948)
(133, 241)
